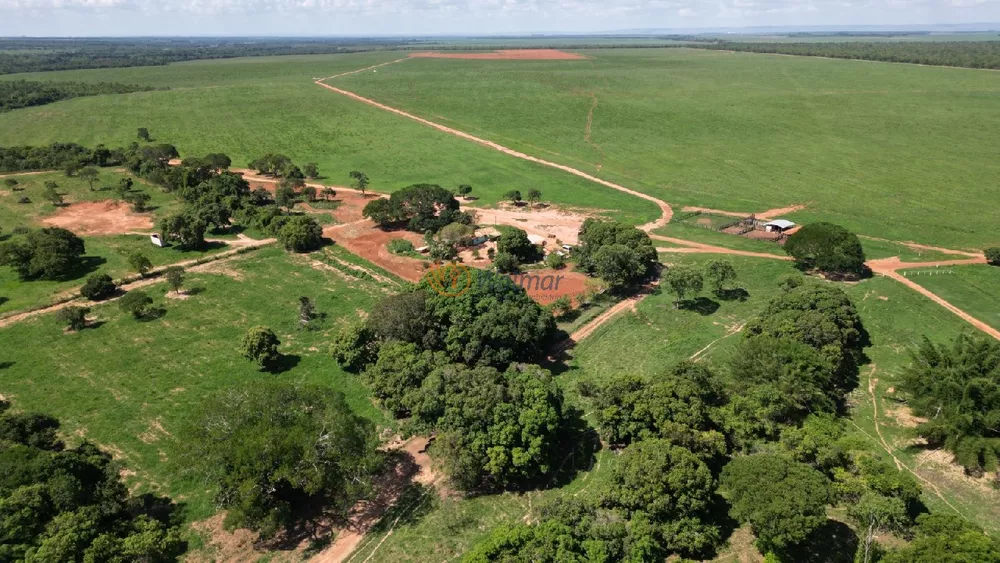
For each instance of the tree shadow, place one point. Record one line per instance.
(576, 451)
(207, 245)
(86, 266)
(833, 542)
(284, 363)
(152, 314)
(93, 324)
(701, 305)
(192, 291)
(3, 300)
(6, 365)
(737, 294)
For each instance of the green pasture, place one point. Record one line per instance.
(902, 152)
(249, 107)
(974, 289)
(129, 385)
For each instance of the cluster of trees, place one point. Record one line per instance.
(957, 388)
(685, 281)
(281, 166)
(617, 253)
(56, 156)
(39, 54)
(828, 248)
(969, 54)
(50, 253)
(69, 504)
(418, 208)
(460, 365)
(761, 438)
(513, 249)
(992, 255)
(281, 454)
(16, 94)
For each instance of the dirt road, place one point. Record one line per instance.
(665, 211)
(191, 265)
(890, 267)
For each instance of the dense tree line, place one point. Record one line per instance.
(418, 208)
(69, 504)
(35, 55)
(22, 93)
(970, 54)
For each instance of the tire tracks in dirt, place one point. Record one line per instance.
(589, 129)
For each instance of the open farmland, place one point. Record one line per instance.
(248, 107)
(883, 149)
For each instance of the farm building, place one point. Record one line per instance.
(778, 226)
(537, 240)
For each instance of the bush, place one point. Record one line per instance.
(400, 246)
(260, 345)
(136, 303)
(555, 261)
(506, 263)
(993, 255)
(139, 263)
(828, 248)
(74, 317)
(301, 234)
(98, 287)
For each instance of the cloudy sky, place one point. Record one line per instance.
(377, 17)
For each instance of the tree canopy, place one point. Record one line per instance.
(49, 253)
(630, 258)
(828, 248)
(418, 208)
(280, 453)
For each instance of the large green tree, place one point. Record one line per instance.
(596, 234)
(495, 429)
(49, 253)
(279, 452)
(944, 538)
(828, 248)
(782, 500)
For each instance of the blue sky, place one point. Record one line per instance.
(378, 17)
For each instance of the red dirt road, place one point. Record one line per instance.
(506, 55)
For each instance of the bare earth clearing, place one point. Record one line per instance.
(99, 218)
(506, 55)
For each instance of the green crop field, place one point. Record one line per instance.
(974, 289)
(248, 107)
(128, 385)
(897, 151)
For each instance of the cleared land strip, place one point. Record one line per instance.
(665, 211)
(153, 276)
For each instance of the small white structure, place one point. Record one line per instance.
(537, 240)
(778, 226)
(155, 239)
(424, 249)
(567, 247)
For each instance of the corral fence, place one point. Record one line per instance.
(934, 272)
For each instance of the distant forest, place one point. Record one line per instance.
(35, 55)
(23, 93)
(969, 54)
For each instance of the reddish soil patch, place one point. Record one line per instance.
(506, 54)
(351, 202)
(545, 286)
(363, 239)
(99, 218)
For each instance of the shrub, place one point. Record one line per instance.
(175, 277)
(136, 303)
(139, 263)
(260, 345)
(98, 287)
(506, 263)
(400, 246)
(993, 255)
(301, 234)
(555, 261)
(74, 317)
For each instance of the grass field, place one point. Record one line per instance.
(108, 254)
(249, 107)
(975, 289)
(128, 385)
(897, 151)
